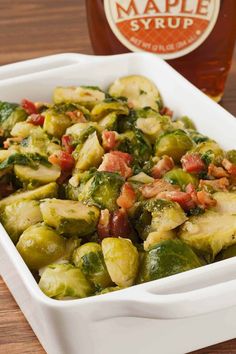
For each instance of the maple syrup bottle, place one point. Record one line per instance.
(196, 37)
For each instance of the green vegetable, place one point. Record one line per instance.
(62, 281)
(109, 122)
(39, 245)
(167, 258)
(209, 233)
(56, 124)
(210, 151)
(227, 253)
(231, 156)
(121, 259)
(226, 202)
(102, 109)
(102, 190)
(181, 178)
(89, 259)
(18, 216)
(85, 96)
(108, 290)
(174, 144)
(188, 123)
(48, 191)
(36, 176)
(10, 114)
(70, 217)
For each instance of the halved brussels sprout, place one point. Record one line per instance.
(18, 216)
(90, 260)
(209, 233)
(181, 178)
(167, 258)
(102, 190)
(122, 260)
(87, 96)
(140, 91)
(48, 191)
(25, 129)
(174, 144)
(39, 245)
(102, 109)
(210, 151)
(156, 237)
(227, 253)
(141, 178)
(36, 176)
(231, 156)
(226, 202)
(109, 122)
(64, 281)
(81, 131)
(108, 290)
(187, 122)
(70, 217)
(90, 154)
(56, 124)
(10, 114)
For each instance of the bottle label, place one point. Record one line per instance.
(169, 28)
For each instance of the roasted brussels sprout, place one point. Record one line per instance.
(187, 122)
(18, 216)
(39, 245)
(70, 217)
(10, 114)
(121, 259)
(227, 253)
(140, 91)
(56, 124)
(109, 122)
(210, 151)
(36, 176)
(180, 177)
(108, 290)
(89, 259)
(102, 190)
(48, 191)
(85, 95)
(102, 109)
(141, 177)
(226, 202)
(167, 258)
(81, 131)
(209, 233)
(64, 281)
(174, 144)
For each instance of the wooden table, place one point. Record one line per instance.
(32, 28)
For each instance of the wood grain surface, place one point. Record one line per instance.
(32, 28)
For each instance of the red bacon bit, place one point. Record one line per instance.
(182, 198)
(193, 163)
(62, 159)
(109, 140)
(191, 190)
(205, 199)
(104, 224)
(220, 184)
(164, 165)
(153, 189)
(229, 166)
(117, 161)
(6, 189)
(166, 112)
(67, 142)
(127, 197)
(76, 117)
(217, 172)
(36, 119)
(29, 106)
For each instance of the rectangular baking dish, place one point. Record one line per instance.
(174, 315)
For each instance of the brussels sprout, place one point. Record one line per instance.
(39, 245)
(102, 190)
(167, 258)
(180, 177)
(86, 96)
(36, 176)
(70, 217)
(70, 191)
(231, 156)
(90, 154)
(174, 144)
(63, 281)
(209, 233)
(102, 109)
(72, 244)
(141, 178)
(25, 129)
(18, 216)
(197, 137)
(10, 114)
(108, 290)
(140, 91)
(56, 124)
(65, 108)
(109, 122)
(48, 191)
(187, 122)
(81, 131)
(210, 151)
(37, 143)
(122, 260)
(89, 259)
(227, 253)
(156, 237)
(226, 202)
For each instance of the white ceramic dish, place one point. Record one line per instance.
(174, 315)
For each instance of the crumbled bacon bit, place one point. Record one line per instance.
(117, 161)
(165, 111)
(229, 166)
(127, 197)
(217, 172)
(109, 140)
(182, 198)
(192, 163)
(205, 199)
(153, 189)
(114, 224)
(220, 184)
(164, 165)
(76, 116)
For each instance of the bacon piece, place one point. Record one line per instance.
(182, 198)
(159, 185)
(166, 112)
(67, 141)
(220, 184)
(62, 159)
(109, 140)
(164, 165)
(205, 199)
(217, 172)
(127, 197)
(229, 166)
(36, 119)
(120, 225)
(193, 163)
(104, 224)
(117, 161)
(29, 106)
(191, 190)
(76, 117)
